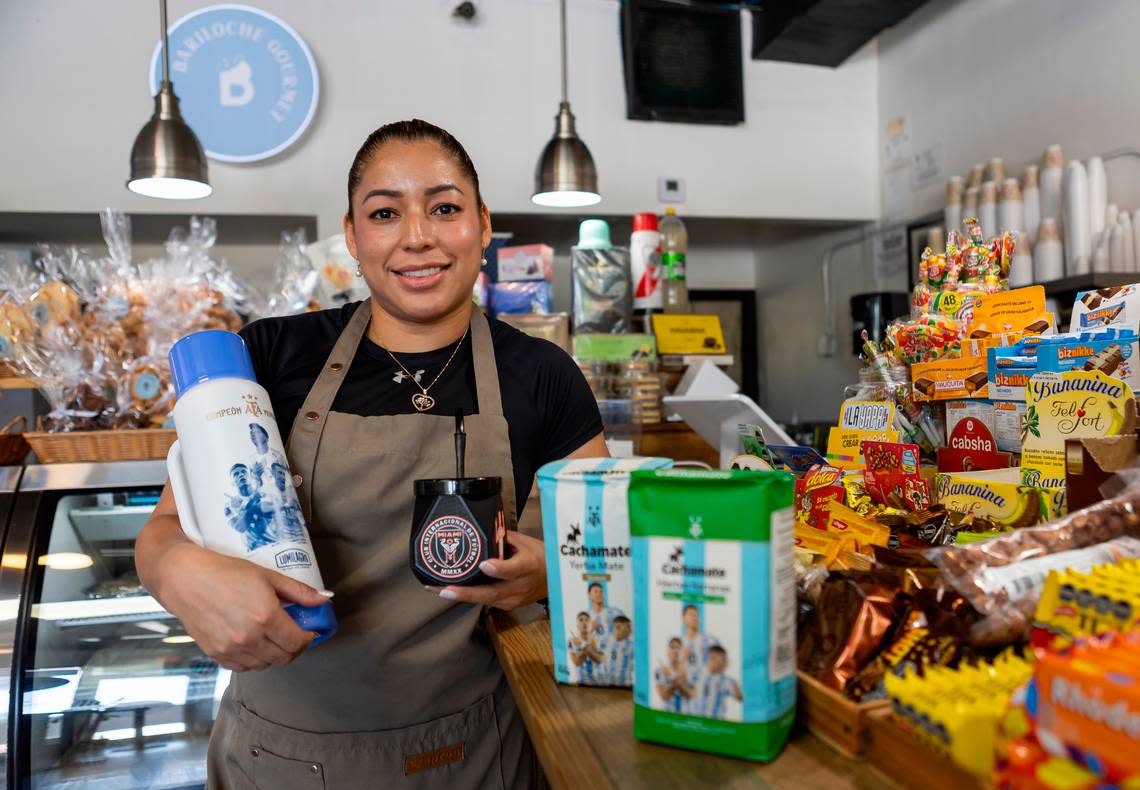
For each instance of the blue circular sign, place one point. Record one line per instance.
(246, 81)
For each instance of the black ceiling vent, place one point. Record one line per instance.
(821, 32)
(682, 63)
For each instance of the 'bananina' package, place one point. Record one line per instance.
(714, 610)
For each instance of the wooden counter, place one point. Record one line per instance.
(678, 441)
(584, 736)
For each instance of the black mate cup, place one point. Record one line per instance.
(458, 523)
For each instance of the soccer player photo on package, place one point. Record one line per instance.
(691, 675)
(600, 646)
(263, 505)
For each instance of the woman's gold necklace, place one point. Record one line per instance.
(421, 400)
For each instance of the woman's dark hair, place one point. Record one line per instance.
(412, 131)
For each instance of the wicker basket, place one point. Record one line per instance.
(142, 444)
(13, 446)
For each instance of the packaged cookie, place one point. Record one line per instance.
(16, 326)
(146, 393)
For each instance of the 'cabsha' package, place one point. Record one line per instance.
(585, 525)
(714, 610)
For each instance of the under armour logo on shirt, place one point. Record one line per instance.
(401, 375)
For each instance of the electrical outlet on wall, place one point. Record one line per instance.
(670, 189)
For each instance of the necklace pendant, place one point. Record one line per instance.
(423, 402)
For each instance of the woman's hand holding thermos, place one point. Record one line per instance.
(231, 607)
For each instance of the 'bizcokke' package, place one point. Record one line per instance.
(714, 610)
(585, 520)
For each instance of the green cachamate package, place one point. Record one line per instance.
(714, 610)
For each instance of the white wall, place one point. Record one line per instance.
(796, 383)
(75, 94)
(985, 78)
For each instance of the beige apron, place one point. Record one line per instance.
(408, 692)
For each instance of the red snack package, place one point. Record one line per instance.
(892, 476)
(814, 491)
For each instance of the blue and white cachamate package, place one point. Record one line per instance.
(585, 525)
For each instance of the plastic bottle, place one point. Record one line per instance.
(232, 485)
(674, 246)
(645, 263)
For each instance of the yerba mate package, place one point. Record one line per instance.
(585, 524)
(714, 610)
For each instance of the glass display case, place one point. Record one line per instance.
(105, 689)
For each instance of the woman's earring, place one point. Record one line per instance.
(359, 273)
(484, 262)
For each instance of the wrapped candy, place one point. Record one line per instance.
(929, 337)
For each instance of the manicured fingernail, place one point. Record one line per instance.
(487, 567)
(448, 594)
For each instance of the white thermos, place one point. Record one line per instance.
(231, 482)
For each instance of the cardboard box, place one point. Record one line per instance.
(526, 262)
(1091, 462)
(1074, 405)
(818, 487)
(1008, 416)
(950, 379)
(844, 446)
(1115, 306)
(1018, 310)
(1008, 372)
(996, 494)
(970, 438)
(1113, 356)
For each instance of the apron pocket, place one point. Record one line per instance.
(270, 771)
(461, 750)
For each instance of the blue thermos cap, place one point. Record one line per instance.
(207, 355)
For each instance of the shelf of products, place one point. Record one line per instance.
(956, 552)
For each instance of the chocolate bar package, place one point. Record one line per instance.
(1115, 306)
(1113, 352)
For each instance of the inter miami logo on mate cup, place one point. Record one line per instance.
(450, 548)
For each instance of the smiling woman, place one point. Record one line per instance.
(418, 225)
(365, 395)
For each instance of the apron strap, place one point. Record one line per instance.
(490, 398)
(486, 373)
(305, 436)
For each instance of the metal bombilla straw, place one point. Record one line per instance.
(460, 444)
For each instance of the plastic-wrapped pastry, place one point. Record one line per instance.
(146, 389)
(15, 328)
(55, 303)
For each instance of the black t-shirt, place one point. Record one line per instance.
(548, 406)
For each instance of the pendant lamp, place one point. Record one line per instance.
(167, 160)
(565, 176)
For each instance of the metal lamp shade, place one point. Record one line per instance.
(167, 160)
(565, 176)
